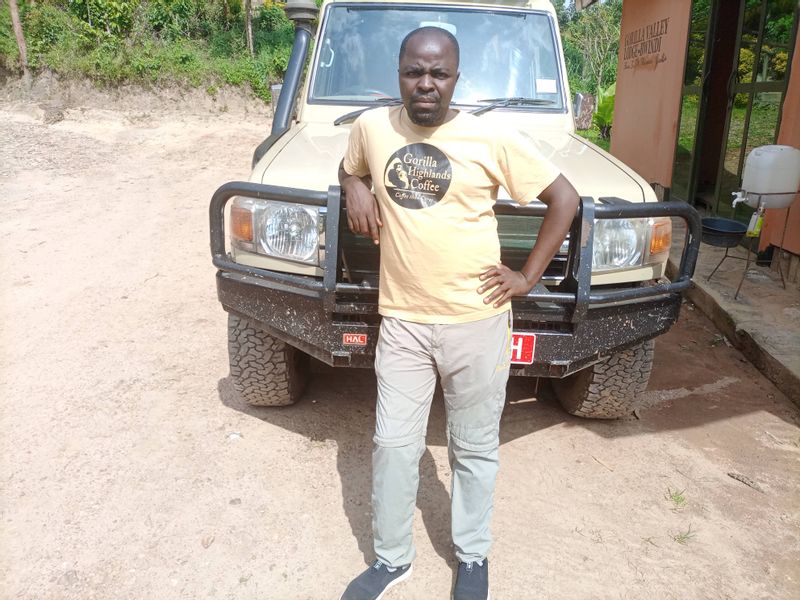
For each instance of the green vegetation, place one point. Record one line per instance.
(593, 135)
(762, 130)
(604, 116)
(9, 55)
(774, 52)
(203, 43)
(194, 42)
(683, 537)
(591, 44)
(677, 499)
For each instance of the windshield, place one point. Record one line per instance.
(503, 54)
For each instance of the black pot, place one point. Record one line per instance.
(723, 233)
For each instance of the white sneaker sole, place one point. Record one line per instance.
(400, 579)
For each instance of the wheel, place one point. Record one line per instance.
(266, 371)
(611, 388)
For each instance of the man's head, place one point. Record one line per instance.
(428, 72)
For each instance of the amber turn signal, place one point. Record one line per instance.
(660, 237)
(241, 224)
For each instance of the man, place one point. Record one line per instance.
(444, 296)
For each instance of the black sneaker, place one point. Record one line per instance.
(472, 581)
(373, 583)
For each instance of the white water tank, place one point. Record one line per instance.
(771, 170)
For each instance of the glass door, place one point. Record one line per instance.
(756, 91)
(693, 95)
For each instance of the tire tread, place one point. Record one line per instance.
(265, 370)
(611, 388)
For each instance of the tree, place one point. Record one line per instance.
(565, 12)
(595, 32)
(23, 48)
(248, 25)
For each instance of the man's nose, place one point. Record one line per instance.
(425, 82)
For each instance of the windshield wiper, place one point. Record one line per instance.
(516, 101)
(377, 103)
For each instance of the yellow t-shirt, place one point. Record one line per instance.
(436, 187)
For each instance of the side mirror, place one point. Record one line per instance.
(583, 107)
(275, 93)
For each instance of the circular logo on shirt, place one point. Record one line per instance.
(417, 176)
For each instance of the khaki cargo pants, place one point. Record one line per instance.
(472, 360)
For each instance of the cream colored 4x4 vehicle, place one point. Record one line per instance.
(297, 284)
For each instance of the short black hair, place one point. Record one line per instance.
(427, 30)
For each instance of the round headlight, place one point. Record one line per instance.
(618, 243)
(290, 232)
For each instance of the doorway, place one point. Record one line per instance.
(735, 79)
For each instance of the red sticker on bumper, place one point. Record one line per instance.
(354, 339)
(523, 346)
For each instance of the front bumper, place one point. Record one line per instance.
(337, 323)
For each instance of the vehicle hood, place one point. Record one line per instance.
(309, 155)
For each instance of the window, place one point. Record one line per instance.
(503, 54)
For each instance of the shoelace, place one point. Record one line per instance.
(470, 563)
(378, 564)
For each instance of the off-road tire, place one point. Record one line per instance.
(265, 371)
(611, 388)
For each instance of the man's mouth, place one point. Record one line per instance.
(424, 102)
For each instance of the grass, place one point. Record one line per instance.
(677, 499)
(761, 131)
(684, 537)
(593, 135)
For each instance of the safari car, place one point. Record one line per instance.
(297, 284)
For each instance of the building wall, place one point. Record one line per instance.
(652, 54)
(789, 135)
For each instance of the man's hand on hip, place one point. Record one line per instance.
(562, 202)
(504, 283)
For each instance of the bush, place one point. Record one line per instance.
(195, 42)
(228, 44)
(272, 17)
(9, 54)
(55, 37)
(604, 116)
(112, 16)
(744, 74)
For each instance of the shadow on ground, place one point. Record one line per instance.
(698, 379)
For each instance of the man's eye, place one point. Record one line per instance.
(440, 75)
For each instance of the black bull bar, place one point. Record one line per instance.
(337, 322)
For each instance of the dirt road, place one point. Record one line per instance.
(130, 469)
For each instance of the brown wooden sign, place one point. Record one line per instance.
(643, 46)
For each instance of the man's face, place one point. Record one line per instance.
(428, 76)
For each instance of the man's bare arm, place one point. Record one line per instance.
(363, 214)
(562, 202)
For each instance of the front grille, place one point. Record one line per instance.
(343, 318)
(360, 258)
(538, 326)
